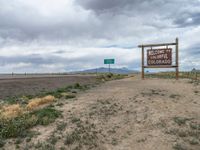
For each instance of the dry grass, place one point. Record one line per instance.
(36, 102)
(15, 110)
(11, 111)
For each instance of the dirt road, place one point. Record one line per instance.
(130, 114)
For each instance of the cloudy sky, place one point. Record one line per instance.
(69, 35)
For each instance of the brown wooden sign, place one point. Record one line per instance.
(159, 57)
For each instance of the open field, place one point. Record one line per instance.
(172, 75)
(19, 85)
(126, 114)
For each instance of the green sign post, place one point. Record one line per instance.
(109, 61)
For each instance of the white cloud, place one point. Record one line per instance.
(65, 35)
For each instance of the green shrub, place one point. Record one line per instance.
(61, 126)
(2, 143)
(60, 90)
(178, 146)
(77, 86)
(70, 96)
(180, 120)
(46, 115)
(110, 75)
(18, 126)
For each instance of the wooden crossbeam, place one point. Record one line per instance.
(156, 45)
(160, 66)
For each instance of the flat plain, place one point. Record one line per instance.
(19, 85)
(125, 114)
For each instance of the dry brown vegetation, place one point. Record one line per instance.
(36, 102)
(10, 111)
(14, 110)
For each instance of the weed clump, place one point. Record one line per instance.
(83, 136)
(11, 111)
(180, 120)
(187, 130)
(70, 96)
(61, 126)
(179, 146)
(46, 116)
(36, 102)
(19, 126)
(193, 141)
(44, 146)
(174, 96)
(110, 76)
(77, 86)
(2, 142)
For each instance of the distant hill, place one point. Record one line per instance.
(106, 70)
(195, 70)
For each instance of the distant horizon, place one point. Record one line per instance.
(76, 71)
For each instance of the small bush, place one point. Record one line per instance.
(180, 120)
(193, 141)
(77, 86)
(72, 138)
(11, 111)
(195, 126)
(44, 146)
(174, 96)
(83, 136)
(11, 100)
(2, 143)
(18, 126)
(60, 90)
(53, 140)
(61, 126)
(46, 116)
(70, 96)
(178, 146)
(36, 102)
(110, 75)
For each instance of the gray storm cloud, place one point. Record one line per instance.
(32, 26)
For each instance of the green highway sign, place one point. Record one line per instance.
(109, 61)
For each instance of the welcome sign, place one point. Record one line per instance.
(159, 57)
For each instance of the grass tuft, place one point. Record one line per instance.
(2, 142)
(180, 120)
(69, 96)
(179, 146)
(11, 111)
(36, 102)
(18, 127)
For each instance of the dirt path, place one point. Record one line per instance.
(136, 114)
(130, 114)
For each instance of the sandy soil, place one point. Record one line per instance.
(130, 114)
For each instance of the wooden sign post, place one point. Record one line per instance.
(160, 57)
